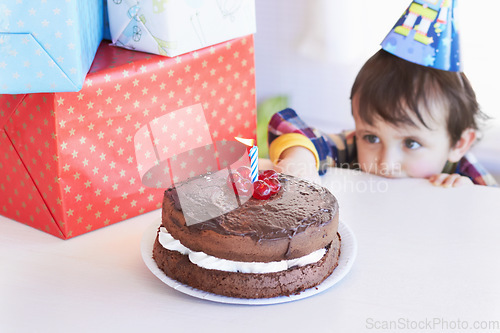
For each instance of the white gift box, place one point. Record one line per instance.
(173, 27)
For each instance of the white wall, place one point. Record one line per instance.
(317, 80)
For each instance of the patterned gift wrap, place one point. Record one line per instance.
(68, 161)
(174, 27)
(47, 46)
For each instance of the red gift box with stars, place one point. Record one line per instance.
(68, 160)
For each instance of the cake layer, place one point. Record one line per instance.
(247, 285)
(301, 218)
(210, 262)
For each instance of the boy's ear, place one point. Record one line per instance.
(462, 146)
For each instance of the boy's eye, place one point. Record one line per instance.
(371, 138)
(412, 144)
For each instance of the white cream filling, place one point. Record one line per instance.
(209, 262)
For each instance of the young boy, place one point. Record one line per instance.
(415, 112)
(410, 121)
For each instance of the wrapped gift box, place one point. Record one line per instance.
(175, 27)
(48, 47)
(106, 34)
(67, 160)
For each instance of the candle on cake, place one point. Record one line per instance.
(254, 158)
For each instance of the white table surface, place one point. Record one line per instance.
(427, 257)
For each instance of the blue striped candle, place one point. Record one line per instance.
(254, 163)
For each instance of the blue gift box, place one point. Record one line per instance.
(48, 46)
(106, 34)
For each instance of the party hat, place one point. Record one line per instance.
(427, 35)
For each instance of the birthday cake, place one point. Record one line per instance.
(280, 240)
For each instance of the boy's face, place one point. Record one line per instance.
(403, 151)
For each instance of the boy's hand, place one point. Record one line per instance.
(300, 162)
(450, 180)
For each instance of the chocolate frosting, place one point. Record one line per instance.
(298, 205)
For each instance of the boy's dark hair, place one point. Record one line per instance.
(395, 90)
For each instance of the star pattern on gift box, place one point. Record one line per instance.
(47, 47)
(78, 148)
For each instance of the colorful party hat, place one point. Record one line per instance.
(427, 35)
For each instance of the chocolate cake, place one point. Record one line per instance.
(264, 248)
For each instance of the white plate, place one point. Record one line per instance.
(348, 251)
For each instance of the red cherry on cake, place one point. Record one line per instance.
(270, 174)
(266, 185)
(261, 190)
(232, 179)
(274, 184)
(244, 171)
(240, 185)
(244, 187)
